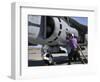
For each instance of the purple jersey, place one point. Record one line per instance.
(73, 43)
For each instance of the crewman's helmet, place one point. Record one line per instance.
(72, 35)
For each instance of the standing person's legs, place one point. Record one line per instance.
(70, 55)
(75, 56)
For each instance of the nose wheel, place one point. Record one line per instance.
(48, 59)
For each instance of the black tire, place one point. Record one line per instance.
(85, 60)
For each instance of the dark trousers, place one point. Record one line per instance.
(75, 55)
